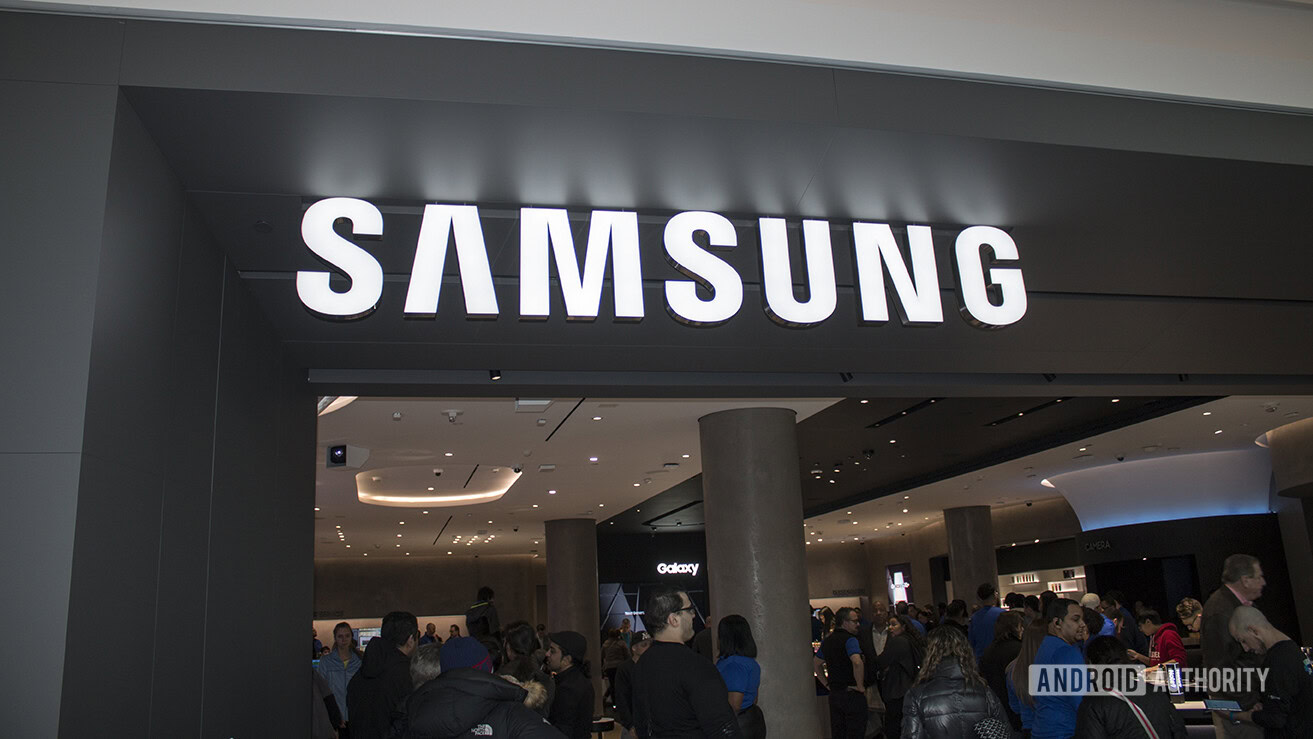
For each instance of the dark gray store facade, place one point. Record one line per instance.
(160, 374)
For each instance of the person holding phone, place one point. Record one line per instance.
(1285, 708)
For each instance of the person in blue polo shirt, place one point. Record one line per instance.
(1055, 715)
(981, 631)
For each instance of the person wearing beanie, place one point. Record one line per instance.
(572, 708)
(465, 651)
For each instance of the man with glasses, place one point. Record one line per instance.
(676, 692)
(844, 676)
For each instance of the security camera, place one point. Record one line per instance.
(517, 469)
(437, 472)
(345, 455)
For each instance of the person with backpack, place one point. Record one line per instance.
(481, 617)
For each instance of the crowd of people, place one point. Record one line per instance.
(954, 671)
(520, 682)
(959, 671)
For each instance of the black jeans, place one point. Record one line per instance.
(847, 714)
(893, 718)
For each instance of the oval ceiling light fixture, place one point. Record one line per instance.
(330, 403)
(456, 485)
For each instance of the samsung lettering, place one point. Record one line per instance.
(992, 295)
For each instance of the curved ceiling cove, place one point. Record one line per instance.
(415, 486)
(1169, 488)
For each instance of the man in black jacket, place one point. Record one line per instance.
(624, 685)
(572, 706)
(677, 694)
(1242, 584)
(468, 701)
(376, 696)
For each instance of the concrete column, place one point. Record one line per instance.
(971, 559)
(572, 588)
(1292, 477)
(756, 564)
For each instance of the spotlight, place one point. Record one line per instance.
(494, 375)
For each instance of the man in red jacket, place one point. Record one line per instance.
(1164, 641)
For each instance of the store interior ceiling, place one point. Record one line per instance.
(900, 462)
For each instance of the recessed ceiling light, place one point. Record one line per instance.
(398, 536)
(831, 482)
(893, 441)
(854, 523)
(907, 497)
(597, 418)
(398, 546)
(636, 484)
(601, 505)
(1116, 400)
(685, 456)
(1082, 449)
(849, 513)
(316, 508)
(864, 402)
(612, 523)
(551, 492)
(1217, 432)
(403, 523)
(535, 505)
(820, 540)
(904, 510)
(339, 526)
(448, 552)
(1037, 541)
(365, 553)
(592, 459)
(446, 454)
(348, 546)
(900, 523)
(1206, 413)
(489, 521)
(426, 513)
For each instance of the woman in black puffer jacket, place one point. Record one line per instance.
(949, 697)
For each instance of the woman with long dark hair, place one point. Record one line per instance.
(898, 665)
(1018, 674)
(519, 643)
(738, 667)
(949, 697)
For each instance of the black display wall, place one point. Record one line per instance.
(627, 571)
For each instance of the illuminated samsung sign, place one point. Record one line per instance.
(992, 294)
(679, 568)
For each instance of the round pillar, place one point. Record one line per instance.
(971, 557)
(756, 563)
(572, 588)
